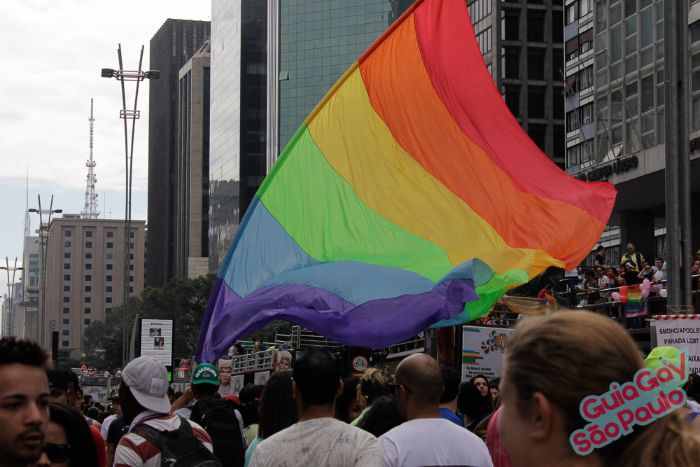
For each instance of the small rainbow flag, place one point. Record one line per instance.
(410, 197)
(636, 303)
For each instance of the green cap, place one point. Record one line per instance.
(205, 373)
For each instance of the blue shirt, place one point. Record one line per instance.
(447, 414)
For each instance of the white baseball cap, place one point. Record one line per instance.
(147, 379)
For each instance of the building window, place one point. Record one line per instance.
(131, 234)
(65, 343)
(88, 266)
(131, 278)
(88, 288)
(66, 244)
(131, 267)
(66, 311)
(535, 25)
(66, 321)
(66, 299)
(535, 101)
(538, 134)
(131, 245)
(511, 62)
(110, 234)
(108, 299)
(109, 266)
(110, 245)
(88, 299)
(585, 7)
(67, 233)
(585, 78)
(66, 288)
(571, 13)
(86, 322)
(109, 256)
(108, 289)
(66, 255)
(88, 233)
(88, 255)
(131, 256)
(108, 278)
(88, 278)
(66, 277)
(535, 63)
(511, 24)
(66, 265)
(87, 310)
(65, 332)
(131, 290)
(88, 244)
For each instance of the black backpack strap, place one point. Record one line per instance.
(173, 445)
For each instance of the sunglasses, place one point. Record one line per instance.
(57, 452)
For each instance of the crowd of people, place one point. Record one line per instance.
(421, 414)
(596, 284)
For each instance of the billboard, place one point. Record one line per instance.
(681, 332)
(157, 340)
(482, 351)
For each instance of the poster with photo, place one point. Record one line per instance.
(482, 351)
(261, 377)
(237, 383)
(157, 339)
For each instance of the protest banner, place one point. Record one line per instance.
(157, 339)
(482, 351)
(682, 332)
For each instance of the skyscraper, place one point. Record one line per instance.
(192, 207)
(522, 46)
(171, 47)
(615, 111)
(271, 63)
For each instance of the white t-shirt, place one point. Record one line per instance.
(319, 442)
(433, 441)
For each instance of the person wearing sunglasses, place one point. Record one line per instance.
(67, 441)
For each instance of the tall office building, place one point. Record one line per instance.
(271, 63)
(171, 47)
(29, 305)
(615, 108)
(237, 141)
(522, 45)
(192, 207)
(85, 274)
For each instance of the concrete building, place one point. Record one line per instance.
(192, 207)
(31, 274)
(522, 45)
(615, 113)
(171, 47)
(85, 274)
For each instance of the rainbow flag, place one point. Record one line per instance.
(636, 304)
(409, 197)
(471, 357)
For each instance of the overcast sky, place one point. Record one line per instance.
(51, 53)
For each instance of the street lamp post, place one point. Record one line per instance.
(10, 285)
(134, 114)
(43, 239)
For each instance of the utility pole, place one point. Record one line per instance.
(677, 173)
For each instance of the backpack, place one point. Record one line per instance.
(218, 418)
(179, 447)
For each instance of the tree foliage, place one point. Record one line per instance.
(182, 300)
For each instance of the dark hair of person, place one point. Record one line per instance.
(277, 409)
(382, 416)
(317, 377)
(450, 381)
(82, 446)
(372, 384)
(249, 396)
(692, 387)
(21, 351)
(475, 377)
(471, 403)
(93, 412)
(345, 400)
(495, 383)
(204, 390)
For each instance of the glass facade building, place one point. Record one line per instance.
(238, 103)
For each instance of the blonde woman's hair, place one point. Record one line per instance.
(371, 385)
(572, 354)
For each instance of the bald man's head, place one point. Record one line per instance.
(420, 374)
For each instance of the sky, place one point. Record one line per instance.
(52, 53)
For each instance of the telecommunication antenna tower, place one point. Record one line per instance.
(90, 210)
